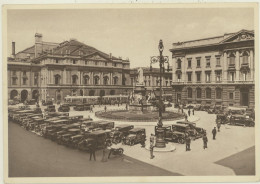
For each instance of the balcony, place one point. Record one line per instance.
(231, 66)
(177, 83)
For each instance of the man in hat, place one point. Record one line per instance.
(214, 132)
(152, 138)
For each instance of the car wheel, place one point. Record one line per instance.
(121, 151)
(181, 141)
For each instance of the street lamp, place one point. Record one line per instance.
(160, 142)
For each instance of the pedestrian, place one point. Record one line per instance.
(218, 125)
(92, 149)
(152, 138)
(186, 117)
(126, 106)
(189, 112)
(193, 112)
(181, 110)
(105, 108)
(205, 141)
(104, 158)
(214, 132)
(188, 141)
(143, 140)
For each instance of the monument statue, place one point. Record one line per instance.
(140, 79)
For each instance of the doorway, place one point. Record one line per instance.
(24, 95)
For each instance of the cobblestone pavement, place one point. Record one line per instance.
(197, 162)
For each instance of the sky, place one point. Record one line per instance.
(128, 33)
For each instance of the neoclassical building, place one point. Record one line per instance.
(56, 70)
(215, 71)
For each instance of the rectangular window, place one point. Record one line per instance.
(96, 63)
(218, 61)
(86, 62)
(189, 77)
(189, 63)
(114, 64)
(57, 61)
(232, 76)
(14, 81)
(207, 77)
(74, 61)
(24, 81)
(35, 79)
(179, 77)
(198, 63)
(198, 77)
(207, 62)
(231, 96)
(105, 63)
(166, 83)
(218, 76)
(244, 76)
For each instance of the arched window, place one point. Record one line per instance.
(179, 64)
(189, 93)
(208, 93)
(232, 59)
(96, 80)
(57, 79)
(245, 57)
(74, 79)
(115, 80)
(105, 80)
(86, 79)
(198, 93)
(218, 93)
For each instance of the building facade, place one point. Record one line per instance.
(215, 71)
(56, 70)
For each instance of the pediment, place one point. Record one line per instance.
(96, 56)
(240, 36)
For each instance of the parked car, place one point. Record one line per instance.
(136, 135)
(222, 118)
(178, 133)
(47, 102)
(195, 132)
(65, 140)
(99, 137)
(50, 108)
(119, 132)
(241, 120)
(64, 108)
(30, 102)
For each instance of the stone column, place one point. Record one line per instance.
(173, 69)
(251, 66)
(225, 64)
(64, 76)
(237, 65)
(183, 70)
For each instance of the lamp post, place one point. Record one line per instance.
(160, 131)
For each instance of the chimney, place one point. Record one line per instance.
(13, 48)
(38, 37)
(110, 55)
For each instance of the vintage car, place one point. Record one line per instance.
(65, 140)
(64, 108)
(241, 120)
(177, 133)
(136, 135)
(104, 125)
(195, 132)
(250, 112)
(64, 130)
(75, 119)
(47, 102)
(222, 118)
(50, 108)
(119, 132)
(74, 140)
(99, 137)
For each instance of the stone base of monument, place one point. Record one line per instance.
(169, 148)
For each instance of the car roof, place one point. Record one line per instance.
(186, 122)
(98, 132)
(123, 126)
(137, 129)
(180, 125)
(106, 122)
(74, 130)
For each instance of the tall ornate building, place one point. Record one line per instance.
(69, 68)
(215, 71)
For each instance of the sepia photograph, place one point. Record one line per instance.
(135, 93)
